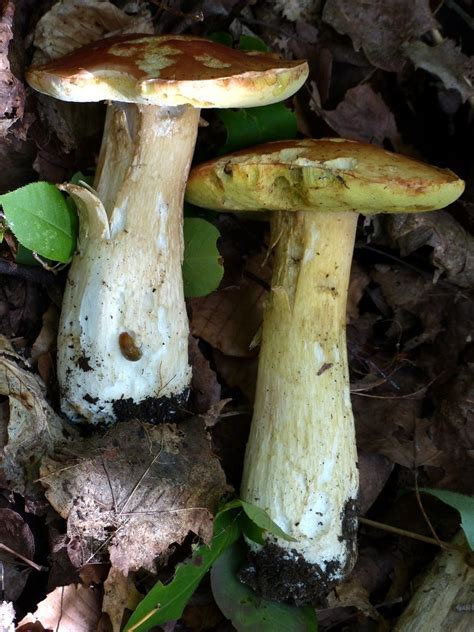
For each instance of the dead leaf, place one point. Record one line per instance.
(363, 115)
(238, 372)
(359, 280)
(12, 92)
(213, 414)
(66, 609)
(351, 593)
(229, 318)
(447, 62)
(453, 247)
(33, 428)
(374, 470)
(205, 389)
(120, 595)
(380, 27)
(17, 536)
(70, 24)
(135, 491)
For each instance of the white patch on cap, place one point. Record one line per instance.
(149, 59)
(211, 62)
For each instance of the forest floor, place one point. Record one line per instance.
(398, 74)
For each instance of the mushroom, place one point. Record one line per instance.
(301, 459)
(123, 337)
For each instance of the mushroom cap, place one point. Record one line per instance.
(168, 70)
(331, 174)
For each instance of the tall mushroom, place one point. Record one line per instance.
(122, 347)
(301, 460)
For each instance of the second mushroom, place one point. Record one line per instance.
(301, 459)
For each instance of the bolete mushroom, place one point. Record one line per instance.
(123, 338)
(301, 459)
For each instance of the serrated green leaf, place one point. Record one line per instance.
(167, 602)
(202, 267)
(263, 520)
(245, 609)
(252, 126)
(41, 220)
(463, 504)
(250, 530)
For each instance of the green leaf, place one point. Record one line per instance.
(263, 520)
(40, 218)
(202, 267)
(245, 609)
(167, 602)
(79, 177)
(465, 506)
(250, 530)
(251, 126)
(24, 257)
(249, 43)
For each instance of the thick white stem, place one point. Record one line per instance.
(301, 460)
(123, 338)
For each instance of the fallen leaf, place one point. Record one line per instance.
(351, 593)
(12, 92)
(120, 595)
(447, 62)
(70, 24)
(453, 247)
(135, 491)
(205, 389)
(17, 536)
(363, 115)
(380, 28)
(359, 280)
(33, 428)
(374, 471)
(238, 372)
(229, 318)
(66, 609)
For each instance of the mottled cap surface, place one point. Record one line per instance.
(168, 70)
(321, 175)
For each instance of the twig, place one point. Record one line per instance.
(21, 557)
(410, 534)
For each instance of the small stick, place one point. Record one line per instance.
(22, 558)
(410, 534)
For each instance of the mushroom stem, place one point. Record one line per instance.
(301, 459)
(123, 337)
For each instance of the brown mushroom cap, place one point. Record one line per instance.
(331, 174)
(168, 70)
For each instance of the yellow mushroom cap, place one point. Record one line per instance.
(168, 70)
(331, 174)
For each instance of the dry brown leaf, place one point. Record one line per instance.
(12, 92)
(33, 428)
(447, 62)
(205, 389)
(238, 372)
(120, 594)
(71, 24)
(363, 115)
(135, 491)
(453, 247)
(17, 536)
(66, 609)
(380, 27)
(359, 280)
(351, 593)
(229, 318)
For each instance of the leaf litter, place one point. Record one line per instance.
(384, 75)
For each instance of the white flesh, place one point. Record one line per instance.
(301, 460)
(126, 275)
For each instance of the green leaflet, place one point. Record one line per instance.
(465, 506)
(245, 609)
(202, 268)
(252, 126)
(41, 219)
